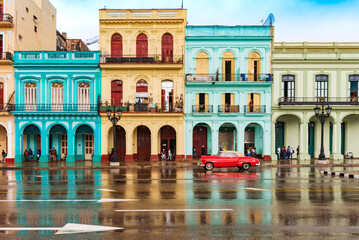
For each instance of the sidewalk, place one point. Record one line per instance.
(167, 164)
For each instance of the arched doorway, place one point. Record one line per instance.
(58, 141)
(120, 141)
(168, 140)
(116, 45)
(202, 139)
(167, 48)
(116, 92)
(141, 45)
(84, 143)
(3, 139)
(227, 137)
(253, 138)
(143, 143)
(167, 96)
(287, 132)
(32, 139)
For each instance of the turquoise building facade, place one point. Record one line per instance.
(56, 105)
(228, 89)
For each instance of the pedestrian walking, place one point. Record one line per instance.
(255, 152)
(38, 154)
(220, 149)
(297, 151)
(53, 154)
(249, 152)
(31, 154)
(163, 154)
(288, 152)
(203, 151)
(291, 152)
(3, 154)
(278, 152)
(92, 153)
(194, 153)
(284, 152)
(26, 155)
(169, 155)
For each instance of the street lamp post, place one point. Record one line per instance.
(114, 119)
(322, 116)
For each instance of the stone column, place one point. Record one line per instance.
(10, 147)
(71, 146)
(303, 140)
(129, 146)
(273, 150)
(44, 158)
(154, 146)
(214, 140)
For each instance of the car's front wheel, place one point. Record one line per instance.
(208, 166)
(246, 166)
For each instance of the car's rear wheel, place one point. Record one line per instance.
(208, 166)
(246, 166)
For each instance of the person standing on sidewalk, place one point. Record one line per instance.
(3, 154)
(288, 152)
(203, 151)
(31, 154)
(278, 152)
(297, 151)
(169, 155)
(194, 153)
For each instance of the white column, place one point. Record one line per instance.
(10, 147)
(303, 140)
(274, 155)
(336, 154)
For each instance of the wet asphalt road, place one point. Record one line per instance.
(168, 203)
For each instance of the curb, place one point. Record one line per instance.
(340, 174)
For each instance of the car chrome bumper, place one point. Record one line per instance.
(258, 164)
(200, 164)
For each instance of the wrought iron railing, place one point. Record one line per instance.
(228, 108)
(6, 56)
(202, 108)
(141, 59)
(6, 17)
(45, 107)
(254, 108)
(318, 100)
(218, 77)
(142, 107)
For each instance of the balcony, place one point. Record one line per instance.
(254, 109)
(202, 108)
(149, 59)
(6, 58)
(216, 77)
(228, 108)
(6, 20)
(54, 57)
(285, 101)
(54, 108)
(143, 108)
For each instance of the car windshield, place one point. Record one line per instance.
(218, 154)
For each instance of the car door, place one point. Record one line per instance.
(232, 160)
(226, 159)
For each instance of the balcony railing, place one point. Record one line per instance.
(5, 17)
(216, 77)
(133, 59)
(54, 107)
(228, 108)
(6, 107)
(6, 56)
(318, 100)
(202, 108)
(254, 109)
(142, 108)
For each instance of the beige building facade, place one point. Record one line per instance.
(307, 75)
(25, 25)
(142, 73)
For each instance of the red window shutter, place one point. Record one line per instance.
(167, 48)
(141, 46)
(116, 45)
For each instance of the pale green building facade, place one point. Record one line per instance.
(309, 74)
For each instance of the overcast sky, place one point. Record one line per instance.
(295, 20)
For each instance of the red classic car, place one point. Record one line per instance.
(228, 159)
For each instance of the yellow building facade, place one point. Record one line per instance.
(143, 73)
(25, 25)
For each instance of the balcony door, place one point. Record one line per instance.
(1, 45)
(141, 46)
(288, 87)
(353, 88)
(30, 96)
(84, 96)
(167, 48)
(2, 106)
(321, 88)
(57, 97)
(2, 10)
(116, 92)
(202, 65)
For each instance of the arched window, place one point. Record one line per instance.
(288, 87)
(141, 46)
(142, 96)
(321, 87)
(202, 64)
(353, 87)
(57, 96)
(84, 96)
(116, 92)
(167, 48)
(30, 96)
(116, 45)
(142, 86)
(254, 66)
(228, 66)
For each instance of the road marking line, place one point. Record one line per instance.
(69, 228)
(102, 200)
(175, 210)
(106, 190)
(254, 189)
